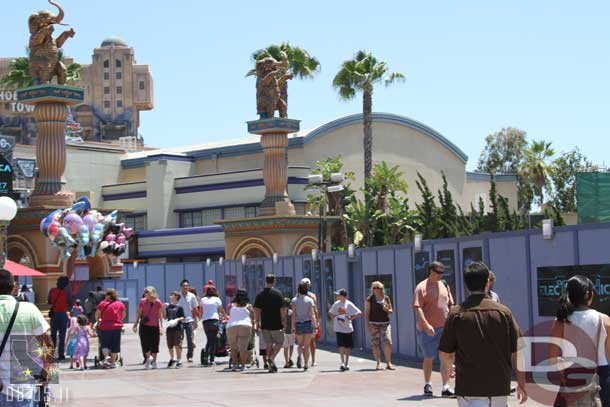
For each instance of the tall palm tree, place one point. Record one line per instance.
(19, 74)
(360, 74)
(537, 166)
(300, 63)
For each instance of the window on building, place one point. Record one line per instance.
(141, 85)
(251, 212)
(235, 212)
(119, 75)
(106, 76)
(118, 63)
(106, 64)
(107, 104)
(119, 103)
(137, 222)
(119, 90)
(106, 90)
(209, 216)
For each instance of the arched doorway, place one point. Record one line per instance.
(253, 248)
(305, 245)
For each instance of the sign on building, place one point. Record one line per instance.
(6, 178)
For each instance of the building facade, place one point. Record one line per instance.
(116, 87)
(174, 196)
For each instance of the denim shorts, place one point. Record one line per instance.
(304, 328)
(428, 345)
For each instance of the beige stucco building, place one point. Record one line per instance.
(175, 195)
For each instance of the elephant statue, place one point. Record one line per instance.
(44, 49)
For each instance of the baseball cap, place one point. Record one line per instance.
(342, 292)
(305, 281)
(210, 282)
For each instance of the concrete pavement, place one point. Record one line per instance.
(194, 385)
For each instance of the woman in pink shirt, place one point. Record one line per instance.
(110, 314)
(150, 316)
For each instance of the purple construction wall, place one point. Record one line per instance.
(513, 256)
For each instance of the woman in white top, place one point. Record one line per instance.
(587, 330)
(211, 311)
(240, 326)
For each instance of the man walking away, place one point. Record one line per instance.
(189, 303)
(432, 301)
(482, 335)
(270, 313)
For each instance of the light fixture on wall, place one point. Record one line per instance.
(275, 258)
(243, 259)
(418, 241)
(135, 264)
(548, 227)
(351, 250)
(208, 262)
(220, 261)
(314, 254)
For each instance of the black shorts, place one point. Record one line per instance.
(111, 340)
(149, 338)
(345, 340)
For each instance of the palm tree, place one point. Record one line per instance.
(300, 63)
(19, 74)
(537, 166)
(360, 74)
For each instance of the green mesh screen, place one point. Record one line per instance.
(593, 197)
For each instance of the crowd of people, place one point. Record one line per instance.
(476, 341)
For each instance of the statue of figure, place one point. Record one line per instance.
(44, 63)
(270, 76)
(283, 78)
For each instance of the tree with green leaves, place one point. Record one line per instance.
(563, 178)
(19, 76)
(449, 224)
(537, 167)
(361, 74)
(301, 64)
(427, 209)
(336, 201)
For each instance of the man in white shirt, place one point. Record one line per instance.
(28, 323)
(189, 303)
(343, 312)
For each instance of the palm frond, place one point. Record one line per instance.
(394, 77)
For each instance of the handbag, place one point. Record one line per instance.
(8, 333)
(590, 395)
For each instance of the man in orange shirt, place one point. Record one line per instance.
(432, 301)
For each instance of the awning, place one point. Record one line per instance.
(17, 269)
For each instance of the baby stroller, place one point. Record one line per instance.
(102, 358)
(222, 347)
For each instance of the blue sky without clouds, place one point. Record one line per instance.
(472, 67)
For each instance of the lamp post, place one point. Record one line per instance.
(317, 184)
(8, 210)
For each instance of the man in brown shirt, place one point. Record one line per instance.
(482, 335)
(432, 301)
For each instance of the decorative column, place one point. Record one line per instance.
(51, 112)
(274, 141)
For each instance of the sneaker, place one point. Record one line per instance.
(171, 364)
(144, 361)
(212, 363)
(346, 367)
(342, 368)
(178, 365)
(290, 364)
(266, 365)
(154, 365)
(271, 365)
(428, 390)
(148, 364)
(299, 363)
(234, 368)
(190, 360)
(305, 368)
(448, 393)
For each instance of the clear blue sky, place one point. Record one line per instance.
(472, 67)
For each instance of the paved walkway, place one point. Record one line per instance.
(194, 385)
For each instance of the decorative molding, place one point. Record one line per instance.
(139, 162)
(273, 125)
(181, 232)
(304, 242)
(234, 185)
(51, 93)
(126, 195)
(217, 174)
(253, 243)
(207, 251)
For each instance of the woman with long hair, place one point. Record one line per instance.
(150, 316)
(587, 329)
(241, 323)
(110, 314)
(211, 311)
(304, 321)
(377, 310)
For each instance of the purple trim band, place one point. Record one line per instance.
(183, 252)
(235, 184)
(127, 195)
(124, 183)
(181, 232)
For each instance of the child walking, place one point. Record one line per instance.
(343, 312)
(80, 337)
(174, 333)
(71, 340)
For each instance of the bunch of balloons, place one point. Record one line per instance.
(86, 230)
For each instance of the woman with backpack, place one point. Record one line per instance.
(587, 329)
